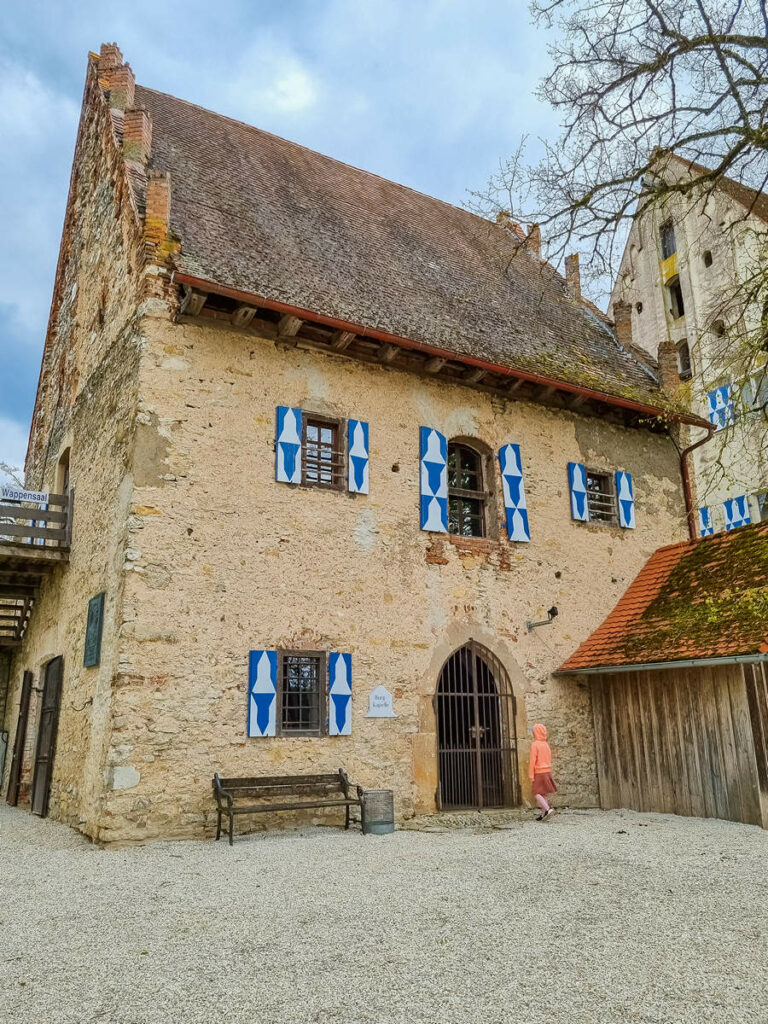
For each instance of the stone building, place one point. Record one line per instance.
(692, 279)
(307, 434)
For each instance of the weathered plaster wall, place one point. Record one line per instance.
(223, 559)
(735, 462)
(86, 403)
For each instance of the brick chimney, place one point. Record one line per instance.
(110, 58)
(122, 87)
(137, 135)
(116, 77)
(668, 368)
(533, 240)
(622, 319)
(573, 277)
(158, 213)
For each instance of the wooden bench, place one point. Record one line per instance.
(255, 795)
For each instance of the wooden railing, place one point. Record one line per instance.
(35, 519)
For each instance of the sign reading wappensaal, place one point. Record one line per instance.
(8, 493)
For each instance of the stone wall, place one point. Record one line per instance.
(223, 559)
(86, 404)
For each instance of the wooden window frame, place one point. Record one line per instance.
(338, 452)
(761, 502)
(610, 494)
(483, 495)
(322, 704)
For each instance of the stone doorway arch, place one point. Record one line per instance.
(476, 732)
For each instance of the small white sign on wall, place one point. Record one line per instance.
(380, 704)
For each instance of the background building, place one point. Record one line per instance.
(693, 273)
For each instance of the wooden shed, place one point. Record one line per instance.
(679, 682)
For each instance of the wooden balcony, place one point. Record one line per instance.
(35, 531)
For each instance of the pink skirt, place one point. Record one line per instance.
(543, 783)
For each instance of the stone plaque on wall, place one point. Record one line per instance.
(93, 630)
(380, 704)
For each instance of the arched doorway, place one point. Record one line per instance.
(476, 736)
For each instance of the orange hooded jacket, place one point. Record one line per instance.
(541, 755)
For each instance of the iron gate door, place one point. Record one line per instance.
(14, 777)
(46, 737)
(476, 736)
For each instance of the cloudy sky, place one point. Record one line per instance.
(430, 93)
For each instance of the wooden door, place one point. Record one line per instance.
(679, 741)
(46, 737)
(14, 777)
(756, 679)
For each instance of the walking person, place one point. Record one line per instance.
(540, 771)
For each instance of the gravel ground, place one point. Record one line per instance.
(592, 917)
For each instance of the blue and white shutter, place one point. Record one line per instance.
(514, 493)
(433, 456)
(737, 512)
(288, 446)
(626, 496)
(577, 483)
(721, 406)
(743, 505)
(706, 527)
(357, 470)
(262, 693)
(340, 694)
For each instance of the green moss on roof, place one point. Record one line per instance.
(701, 599)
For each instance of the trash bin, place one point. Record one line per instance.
(378, 812)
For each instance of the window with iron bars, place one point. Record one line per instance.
(301, 696)
(601, 498)
(323, 453)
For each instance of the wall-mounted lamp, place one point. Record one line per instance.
(551, 614)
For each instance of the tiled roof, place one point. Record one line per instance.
(267, 217)
(704, 598)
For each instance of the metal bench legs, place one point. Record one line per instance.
(231, 827)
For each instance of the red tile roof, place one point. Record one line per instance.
(704, 598)
(270, 218)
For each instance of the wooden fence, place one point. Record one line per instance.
(38, 524)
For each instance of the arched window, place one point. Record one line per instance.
(62, 473)
(467, 497)
(684, 367)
